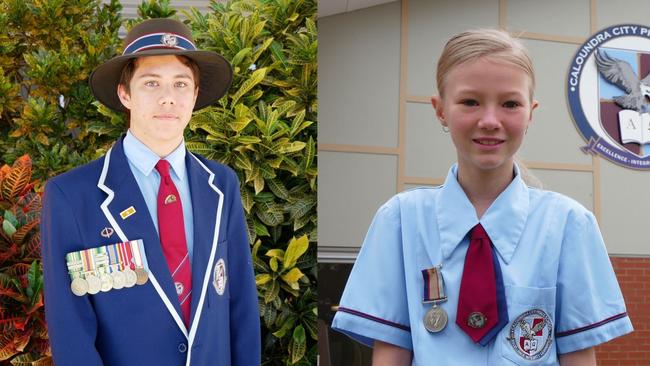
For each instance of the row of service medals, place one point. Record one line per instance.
(108, 267)
(435, 318)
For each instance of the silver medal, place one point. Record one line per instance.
(130, 278)
(94, 284)
(79, 286)
(435, 319)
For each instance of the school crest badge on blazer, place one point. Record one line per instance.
(219, 276)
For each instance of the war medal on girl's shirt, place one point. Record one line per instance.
(436, 318)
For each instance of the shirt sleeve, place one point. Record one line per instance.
(71, 320)
(374, 304)
(590, 309)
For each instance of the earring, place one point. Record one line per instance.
(445, 129)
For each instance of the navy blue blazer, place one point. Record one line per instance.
(143, 325)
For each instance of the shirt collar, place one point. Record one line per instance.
(504, 220)
(145, 160)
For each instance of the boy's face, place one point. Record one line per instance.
(161, 99)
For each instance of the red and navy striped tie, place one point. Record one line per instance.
(171, 229)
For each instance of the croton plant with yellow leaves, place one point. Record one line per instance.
(23, 332)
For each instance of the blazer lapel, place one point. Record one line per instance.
(207, 202)
(123, 193)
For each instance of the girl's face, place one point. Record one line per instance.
(487, 108)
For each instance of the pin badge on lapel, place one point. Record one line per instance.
(128, 212)
(170, 199)
(107, 232)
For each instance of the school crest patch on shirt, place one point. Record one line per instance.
(219, 277)
(531, 334)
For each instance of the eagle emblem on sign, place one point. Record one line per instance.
(608, 89)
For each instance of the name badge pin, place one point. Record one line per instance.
(128, 212)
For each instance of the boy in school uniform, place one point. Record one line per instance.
(145, 251)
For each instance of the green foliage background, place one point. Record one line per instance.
(264, 128)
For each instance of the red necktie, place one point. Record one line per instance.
(171, 229)
(478, 311)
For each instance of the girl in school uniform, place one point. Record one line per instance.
(483, 270)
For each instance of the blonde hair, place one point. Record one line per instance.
(474, 44)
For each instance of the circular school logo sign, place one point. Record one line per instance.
(608, 89)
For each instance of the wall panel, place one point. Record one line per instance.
(429, 150)
(556, 17)
(358, 70)
(553, 136)
(351, 187)
(430, 24)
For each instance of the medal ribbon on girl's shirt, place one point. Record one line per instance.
(434, 286)
(435, 319)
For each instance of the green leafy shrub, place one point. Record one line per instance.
(265, 130)
(47, 50)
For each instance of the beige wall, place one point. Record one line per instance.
(378, 135)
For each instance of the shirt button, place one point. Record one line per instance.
(182, 348)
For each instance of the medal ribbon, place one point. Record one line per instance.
(101, 259)
(120, 257)
(113, 258)
(75, 264)
(88, 261)
(125, 252)
(434, 285)
(134, 248)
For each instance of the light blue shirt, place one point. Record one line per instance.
(142, 162)
(561, 291)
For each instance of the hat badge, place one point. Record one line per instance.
(169, 40)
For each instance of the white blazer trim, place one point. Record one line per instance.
(208, 272)
(120, 233)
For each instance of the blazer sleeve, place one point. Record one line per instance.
(245, 333)
(71, 320)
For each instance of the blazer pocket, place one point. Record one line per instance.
(529, 336)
